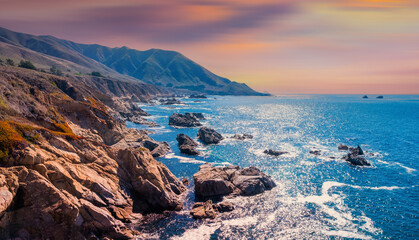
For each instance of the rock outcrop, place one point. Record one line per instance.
(209, 136)
(355, 157)
(343, 147)
(315, 152)
(68, 169)
(169, 101)
(202, 210)
(186, 144)
(231, 180)
(275, 153)
(200, 96)
(199, 116)
(242, 137)
(183, 120)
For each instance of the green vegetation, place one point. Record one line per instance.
(27, 64)
(9, 140)
(96, 74)
(54, 70)
(10, 62)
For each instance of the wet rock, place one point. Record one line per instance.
(274, 152)
(170, 101)
(186, 144)
(343, 147)
(185, 181)
(201, 210)
(224, 206)
(182, 120)
(209, 136)
(355, 157)
(380, 97)
(221, 181)
(365, 96)
(242, 136)
(197, 96)
(315, 152)
(196, 115)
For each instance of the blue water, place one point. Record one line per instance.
(317, 197)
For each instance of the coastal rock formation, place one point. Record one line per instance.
(231, 180)
(196, 115)
(242, 136)
(201, 210)
(354, 157)
(380, 97)
(183, 120)
(315, 152)
(198, 96)
(157, 149)
(343, 147)
(142, 121)
(209, 136)
(275, 153)
(365, 96)
(169, 101)
(68, 168)
(186, 144)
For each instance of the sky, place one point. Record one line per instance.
(277, 46)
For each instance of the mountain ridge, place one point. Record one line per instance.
(159, 67)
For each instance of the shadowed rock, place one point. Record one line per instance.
(183, 120)
(274, 152)
(196, 115)
(355, 158)
(209, 136)
(343, 147)
(201, 210)
(242, 136)
(186, 144)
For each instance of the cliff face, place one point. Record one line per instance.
(68, 168)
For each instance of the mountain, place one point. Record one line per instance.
(163, 68)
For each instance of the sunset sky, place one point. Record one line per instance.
(279, 46)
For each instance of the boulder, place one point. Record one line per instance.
(157, 149)
(201, 210)
(242, 136)
(221, 181)
(380, 97)
(196, 115)
(343, 147)
(274, 152)
(224, 206)
(315, 152)
(209, 136)
(355, 157)
(187, 145)
(183, 120)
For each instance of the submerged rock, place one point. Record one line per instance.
(315, 152)
(275, 153)
(186, 144)
(183, 120)
(242, 136)
(209, 136)
(221, 181)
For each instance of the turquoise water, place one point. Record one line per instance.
(317, 197)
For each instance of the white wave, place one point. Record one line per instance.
(408, 169)
(200, 233)
(184, 159)
(346, 234)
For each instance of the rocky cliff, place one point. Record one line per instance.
(69, 169)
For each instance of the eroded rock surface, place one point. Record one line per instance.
(186, 144)
(231, 180)
(183, 120)
(355, 157)
(209, 136)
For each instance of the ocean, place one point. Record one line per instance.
(317, 197)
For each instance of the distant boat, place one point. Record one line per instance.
(365, 96)
(380, 97)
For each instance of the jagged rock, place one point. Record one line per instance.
(197, 96)
(157, 149)
(182, 120)
(242, 136)
(170, 101)
(343, 147)
(315, 152)
(185, 181)
(196, 115)
(209, 136)
(201, 210)
(220, 181)
(380, 97)
(355, 158)
(275, 153)
(224, 206)
(142, 121)
(187, 145)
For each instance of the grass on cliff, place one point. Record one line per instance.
(10, 139)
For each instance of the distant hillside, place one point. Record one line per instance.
(159, 67)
